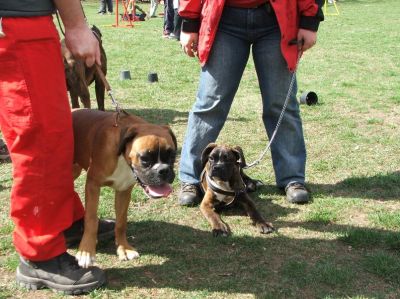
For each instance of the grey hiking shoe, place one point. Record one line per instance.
(190, 195)
(297, 193)
(74, 233)
(61, 273)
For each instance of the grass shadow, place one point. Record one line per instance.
(379, 187)
(169, 116)
(193, 260)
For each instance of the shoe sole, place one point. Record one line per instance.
(32, 283)
(298, 201)
(188, 203)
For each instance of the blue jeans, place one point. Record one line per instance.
(239, 31)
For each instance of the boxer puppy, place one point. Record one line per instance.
(119, 150)
(222, 180)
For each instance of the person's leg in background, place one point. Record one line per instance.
(153, 8)
(177, 25)
(109, 6)
(102, 8)
(168, 18)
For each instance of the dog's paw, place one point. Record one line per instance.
(221, 230)
(85, 259)
(265, 227)
(126, 253)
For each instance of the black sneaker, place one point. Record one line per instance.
(297, 193)
(74, 233)
(190, 195)
(61, 273)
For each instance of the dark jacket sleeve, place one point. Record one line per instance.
(190, 11)
(311, 22)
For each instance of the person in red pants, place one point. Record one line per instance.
(36, 122)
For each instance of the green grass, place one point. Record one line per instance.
(384, 265)
(344, 244)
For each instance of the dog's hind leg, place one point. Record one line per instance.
(85, 97)
(74, 99)
(100, 91)
(76, 170)
(124, 250)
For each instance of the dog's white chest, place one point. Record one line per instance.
(122, 177)
(225, 186)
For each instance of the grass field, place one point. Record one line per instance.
(344, 244)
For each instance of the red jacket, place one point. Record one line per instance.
(203, 16)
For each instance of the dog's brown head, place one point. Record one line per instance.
(223, 162)
(151, 151)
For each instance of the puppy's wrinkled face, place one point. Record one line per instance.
(222, 163)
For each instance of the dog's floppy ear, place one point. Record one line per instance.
(126, 136)
(172, 135)
(240, 156)
(206, 152)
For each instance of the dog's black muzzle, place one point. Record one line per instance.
(161, 174)
(222, 171)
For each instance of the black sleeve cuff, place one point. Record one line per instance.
(312, 23)
(309, 23)
(190, 25)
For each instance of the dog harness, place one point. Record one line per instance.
(216, 188)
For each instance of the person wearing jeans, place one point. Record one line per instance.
(105, 5)
(222, 40)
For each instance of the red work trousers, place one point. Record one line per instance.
(36, 122)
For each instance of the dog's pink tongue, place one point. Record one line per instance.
(159, 191)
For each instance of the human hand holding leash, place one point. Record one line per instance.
(189, 42)
(79, 39)
(308, 38)
(83, 45)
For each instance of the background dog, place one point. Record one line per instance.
(79, 76)
(119, 150)
(223, 183)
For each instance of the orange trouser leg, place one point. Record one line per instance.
(36, 122)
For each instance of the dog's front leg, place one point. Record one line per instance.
(124, 250)
(86, 254)
(207, 209)
(250, 208)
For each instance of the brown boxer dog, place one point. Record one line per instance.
(223, 182)
(119, 150)
(79, 76)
